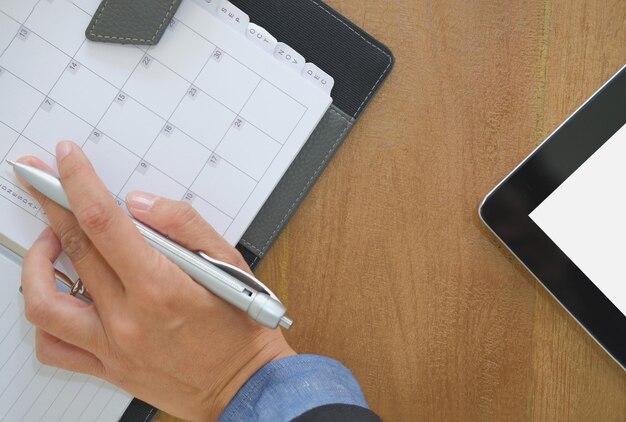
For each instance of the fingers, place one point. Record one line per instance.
(99, 278)
(61, 315)
(106, 225)
(180, 222)
(53, 351)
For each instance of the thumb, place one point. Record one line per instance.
(181, 222)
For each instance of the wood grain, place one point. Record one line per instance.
(386, 265)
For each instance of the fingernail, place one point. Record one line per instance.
(64, 149)
(141, 201)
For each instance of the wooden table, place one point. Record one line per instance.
(387, 267)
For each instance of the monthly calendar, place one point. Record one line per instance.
(212, 115)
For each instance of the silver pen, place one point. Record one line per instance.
(226, 281)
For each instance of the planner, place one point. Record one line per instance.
(237, 109)
(208, 116)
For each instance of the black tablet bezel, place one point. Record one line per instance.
(507, 208)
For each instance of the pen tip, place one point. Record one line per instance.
(12, 163)
(285, 322)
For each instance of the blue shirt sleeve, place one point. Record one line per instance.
(286, 388)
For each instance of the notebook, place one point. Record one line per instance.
(212, 115)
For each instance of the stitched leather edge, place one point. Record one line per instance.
(256, 261)
(389, 57)
(314, 177)
(249, 246)
(92, 28)
(150, 414)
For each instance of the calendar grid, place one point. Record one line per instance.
(51, 89)
(266, 169)
(17, 76)
(142, 158)
(222, 139)
(21, 133)
(203, 37)
(216, 147)
(95, 129)
(8, 45)
(118, 143)
(121, 91)
(203, 91)
(242, 64)
(167, 120)
(185, 182)
(45, 98)
(291, 133)
(73, 58)
(15, 36)
(173, 20)
(106, 111)
(80, 8)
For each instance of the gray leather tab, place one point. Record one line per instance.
(131, 21)
(297, 181)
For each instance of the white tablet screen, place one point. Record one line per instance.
(586, 218)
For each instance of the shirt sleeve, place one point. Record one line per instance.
(287, 388)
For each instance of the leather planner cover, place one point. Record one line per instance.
(358, 63)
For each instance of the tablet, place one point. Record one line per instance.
(562, 213)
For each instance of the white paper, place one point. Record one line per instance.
(205, 116)
(33, 392)
(586, 218)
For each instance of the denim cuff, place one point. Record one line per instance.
(286, 388)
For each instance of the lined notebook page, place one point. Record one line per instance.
(32, 392)
(209, 115)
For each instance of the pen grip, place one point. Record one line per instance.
(259, 306)
(203, 273)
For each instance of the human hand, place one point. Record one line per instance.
(151, 330)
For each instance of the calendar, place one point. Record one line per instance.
(212, 115)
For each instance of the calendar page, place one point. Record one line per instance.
(210, 115)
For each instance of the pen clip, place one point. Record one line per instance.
(241, 275)
(77, 288)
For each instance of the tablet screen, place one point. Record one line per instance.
(586, 218)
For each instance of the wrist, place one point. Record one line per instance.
(242, 366)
